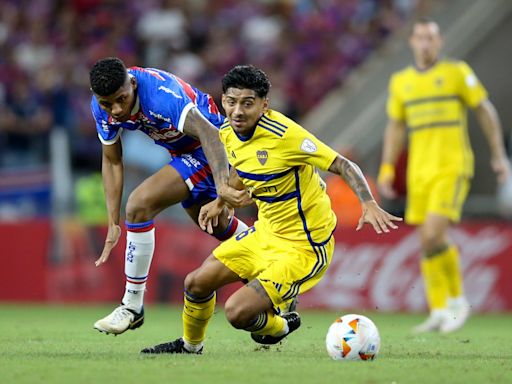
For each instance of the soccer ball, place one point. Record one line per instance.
(353, 337)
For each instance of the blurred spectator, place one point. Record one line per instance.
(25, 123)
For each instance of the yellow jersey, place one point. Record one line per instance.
(277, 164)
(432, 103)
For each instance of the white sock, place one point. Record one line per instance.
(192, 347)
(139, 253)
(240, 228)
(234, 227)
(285, 330)
(456, 302)
(438, 313)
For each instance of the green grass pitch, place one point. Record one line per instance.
(57, 344)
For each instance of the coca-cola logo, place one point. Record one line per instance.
(369, 273)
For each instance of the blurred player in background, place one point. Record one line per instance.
(184, 121)
(290, 246)
(427, 102)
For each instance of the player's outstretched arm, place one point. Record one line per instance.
(197, 126)
(491, 126)
(372, 213)
(394, 138)
(113, 175)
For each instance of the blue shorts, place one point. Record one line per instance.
(196, 173)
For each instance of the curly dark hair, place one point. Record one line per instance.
(247, 77)
(107, 76)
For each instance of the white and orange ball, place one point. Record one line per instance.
(353, 337)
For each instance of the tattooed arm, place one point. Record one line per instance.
(353, 176)
(372, 213)
(198, 127)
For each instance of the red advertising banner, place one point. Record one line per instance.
(382, 271)
(368, 271)
(24, 260)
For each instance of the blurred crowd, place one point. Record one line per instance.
(47, 47)
(307, 47)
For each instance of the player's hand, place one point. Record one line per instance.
(377, 217)
(209, 215)
(385, 181)
(385, 187)
(233, 197)
(386, 190)
(113, 235)
(501, 166)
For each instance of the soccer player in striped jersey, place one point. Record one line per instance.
(290, 246)
(427, 102)
(184, 121)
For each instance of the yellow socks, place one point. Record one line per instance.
(436, 287)
(197, 312)
(442, 276)
(268, 323)
(451, 265)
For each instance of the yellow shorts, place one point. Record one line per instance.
(443, 195)
(284, 268)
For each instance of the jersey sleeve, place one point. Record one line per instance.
(171, 100)
(300, 146)
(395, 106)
(471, 90)
(107, 133)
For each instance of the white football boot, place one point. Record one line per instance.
(432, 323)
(120, 320)
(458, 313)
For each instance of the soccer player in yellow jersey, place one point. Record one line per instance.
(427, 102)
(290, 246)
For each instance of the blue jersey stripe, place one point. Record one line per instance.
(269, 120)
(431, 100)
(272, 126)
(262, 177)
(285, 197)
(270, 130)
(437, 124)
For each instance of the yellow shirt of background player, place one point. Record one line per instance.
(277, 164)
(433, 104)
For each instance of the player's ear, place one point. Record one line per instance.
(265, 104)
(133, 82)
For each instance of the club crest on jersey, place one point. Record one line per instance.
(308, 146)
(262, 156)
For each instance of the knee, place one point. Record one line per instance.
(137, 208)
(238, 316)
(432, 242)
(196, 285)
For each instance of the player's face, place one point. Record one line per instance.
(425, 42)
(119, 104)
(243, 109)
